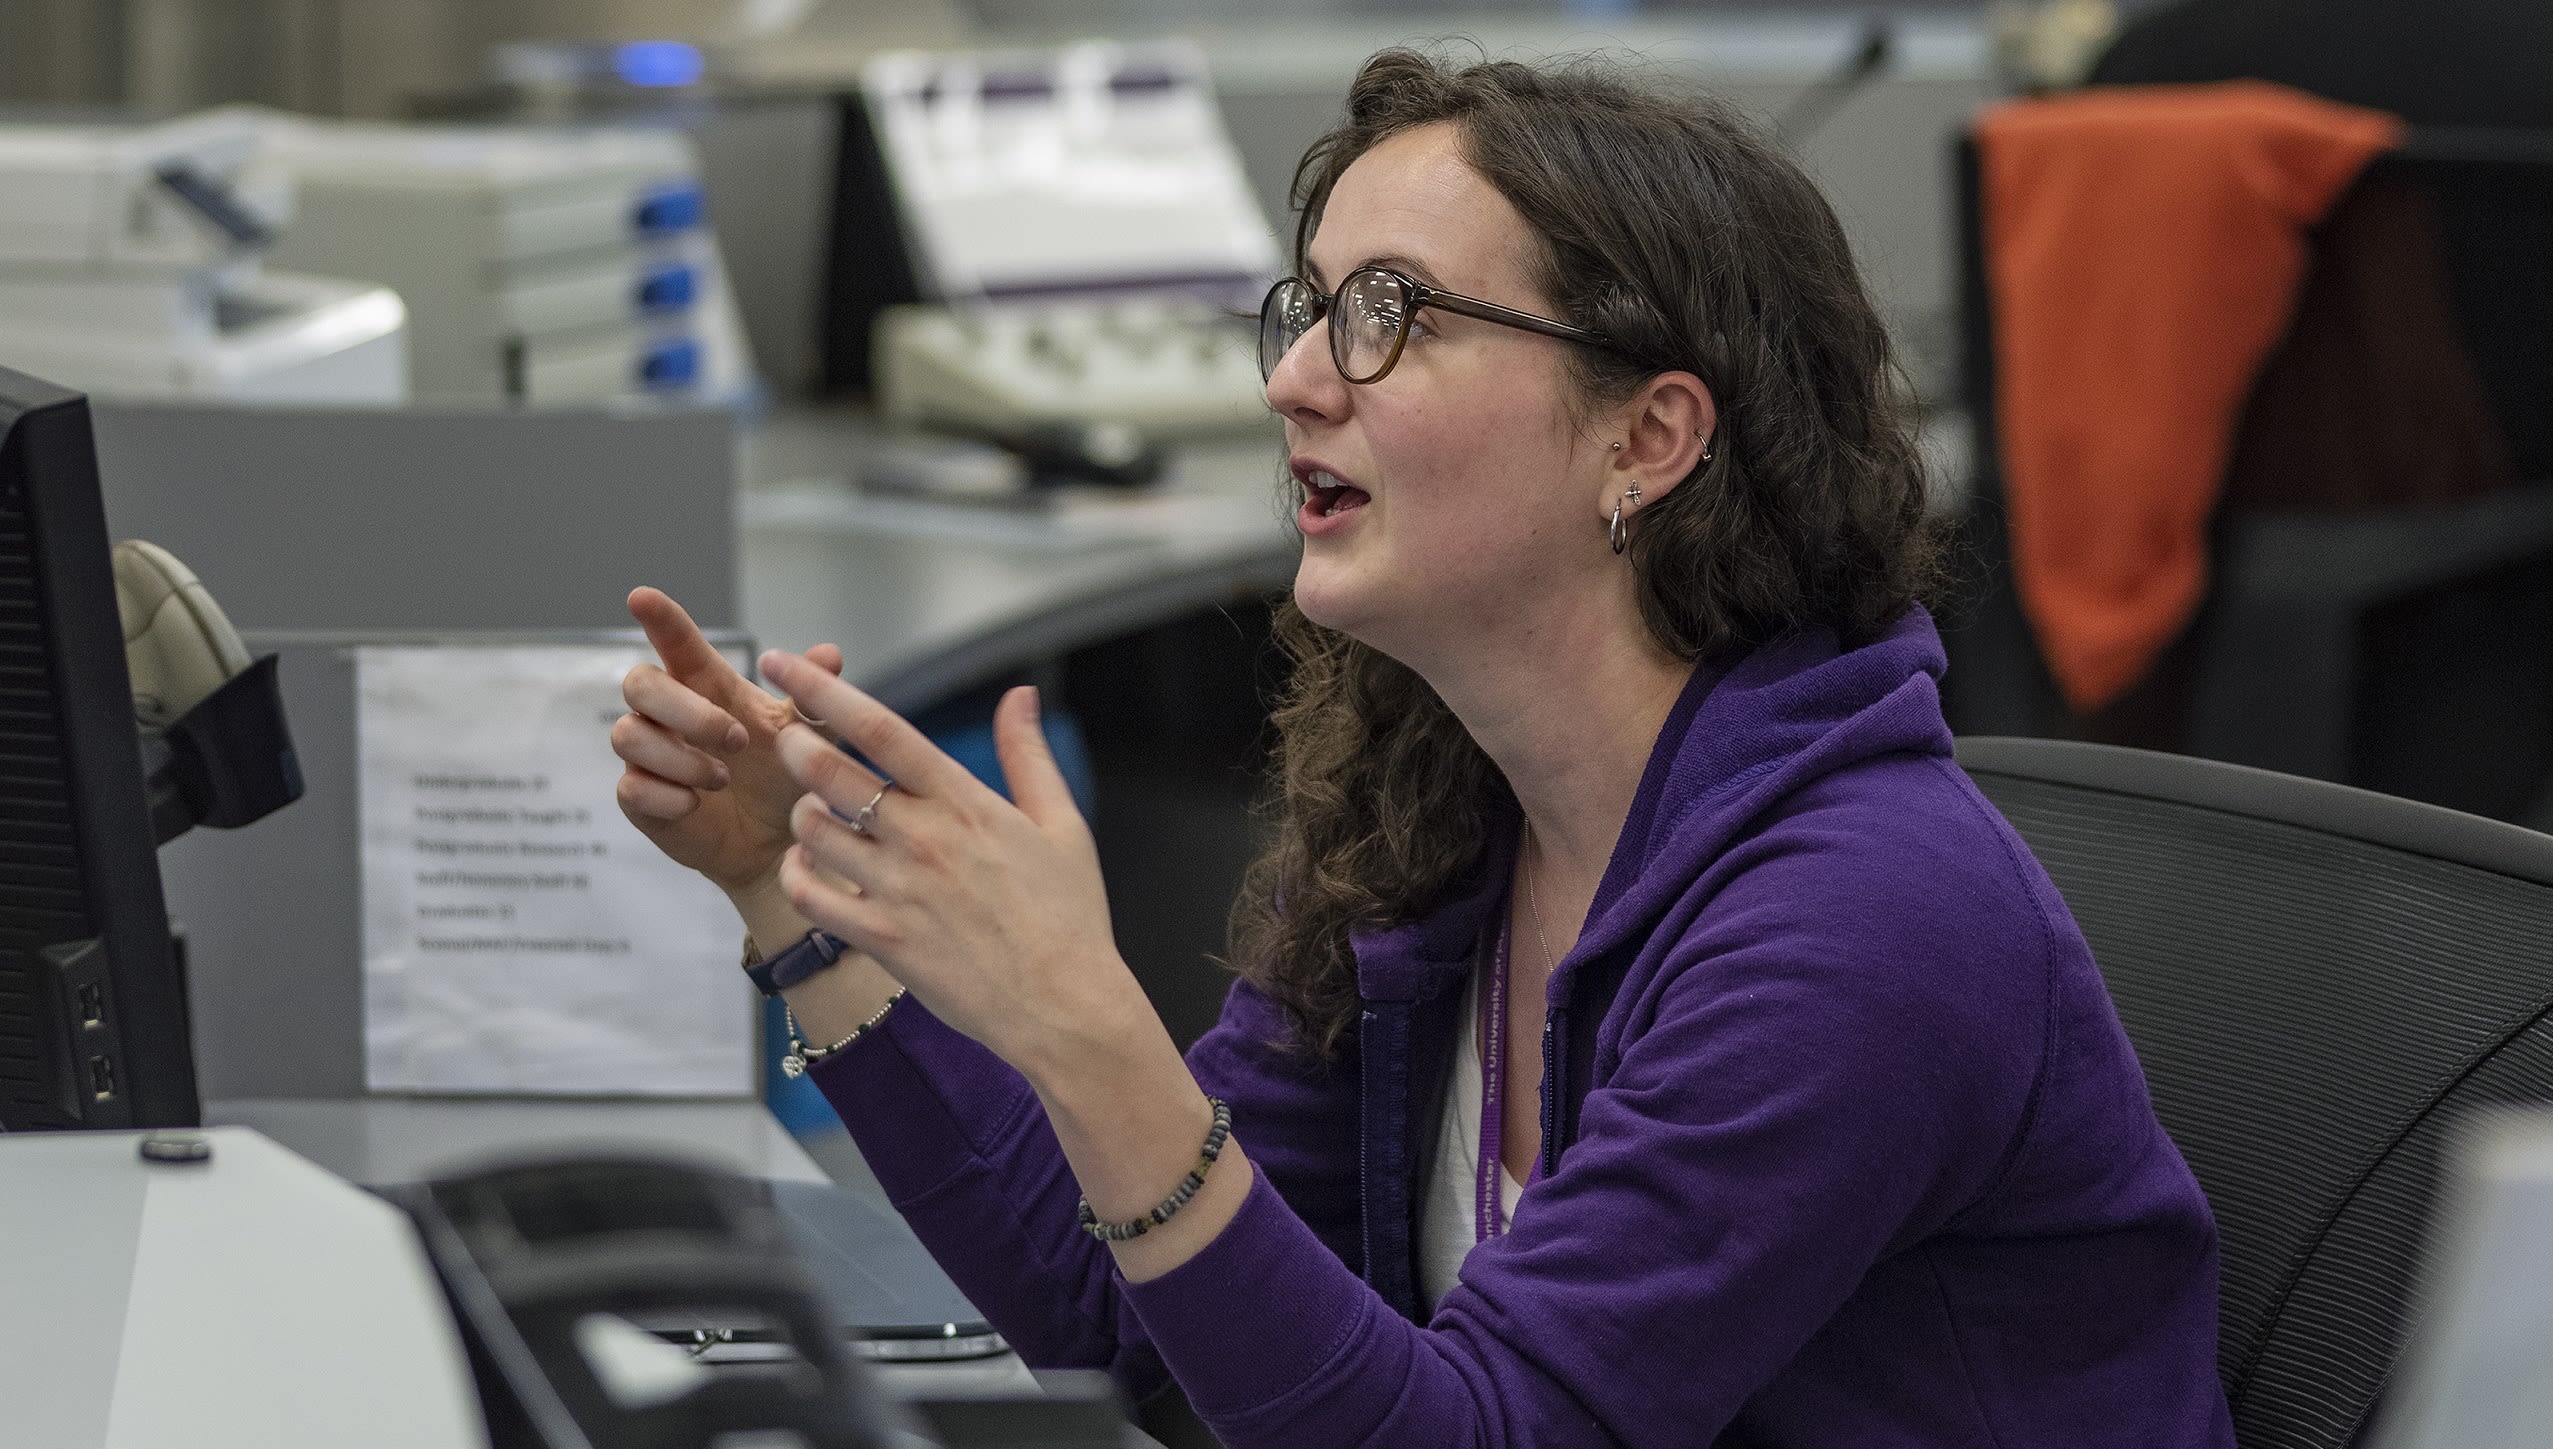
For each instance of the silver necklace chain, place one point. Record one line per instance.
(1533, 912)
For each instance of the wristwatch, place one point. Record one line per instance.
(812, 953)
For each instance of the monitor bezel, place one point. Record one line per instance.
(48, 456)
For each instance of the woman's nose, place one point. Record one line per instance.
(1305, 386)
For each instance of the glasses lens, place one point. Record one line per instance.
(1367, 325)
(1290, 310)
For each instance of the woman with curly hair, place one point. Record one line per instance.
(1644, 1032)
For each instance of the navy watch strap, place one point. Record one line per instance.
(814, 952)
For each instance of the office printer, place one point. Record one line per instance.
(542, 266)
(130, 266)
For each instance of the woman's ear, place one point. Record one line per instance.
(1665, 431)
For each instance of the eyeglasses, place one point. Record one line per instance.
(1370, 317)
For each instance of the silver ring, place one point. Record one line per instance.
(867, 815)
(805, 718)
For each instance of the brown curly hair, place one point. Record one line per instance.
(1673, 226)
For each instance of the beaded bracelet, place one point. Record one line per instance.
(801, 1056)
(1196, 1178)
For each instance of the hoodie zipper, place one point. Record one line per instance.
(1553, 1086)
(1366, 1114)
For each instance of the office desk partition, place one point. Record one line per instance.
(453, 518)
(928, 599)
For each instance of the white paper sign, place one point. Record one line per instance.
(520, 936)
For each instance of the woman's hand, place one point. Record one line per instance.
(991, 912)
(703, 777)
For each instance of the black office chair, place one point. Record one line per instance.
(2318, 981)
(2394, 647)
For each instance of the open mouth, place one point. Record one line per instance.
(1326, 496)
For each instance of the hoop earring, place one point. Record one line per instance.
(1706, 449)
(1617, 532)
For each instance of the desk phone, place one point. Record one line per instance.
(1164, 367)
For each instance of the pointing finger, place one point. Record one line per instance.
(686, 651)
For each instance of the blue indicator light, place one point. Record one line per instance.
(668, 288)
(675, 206)
(655, 63)
(672, 363)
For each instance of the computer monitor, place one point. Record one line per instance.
(2472, 1374)
(93, 1026)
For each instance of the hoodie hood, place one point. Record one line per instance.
(1789, 714)
(1735, 743)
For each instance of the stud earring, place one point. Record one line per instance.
(1631, 495)
(1617, 447)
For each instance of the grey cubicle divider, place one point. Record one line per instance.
(273, 912)
(319, 528)
(430, 519)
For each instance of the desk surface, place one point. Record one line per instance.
(256, 1299)
(251, 1299)
(381, 1140)
(928, 598)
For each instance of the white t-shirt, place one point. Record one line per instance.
(1446, 1226)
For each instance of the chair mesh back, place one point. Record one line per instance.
(2313, 1006)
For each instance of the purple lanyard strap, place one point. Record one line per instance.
(1488, 1216)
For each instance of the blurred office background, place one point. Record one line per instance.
(381, 58)
(764, 97)
(1278, 70)
(773, 291)
(697, 212)
(784, 287)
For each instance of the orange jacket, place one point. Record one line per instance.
(2144, 246)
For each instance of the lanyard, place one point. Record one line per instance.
(1489, 1196)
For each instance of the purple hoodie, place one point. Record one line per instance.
(1843, 1146)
